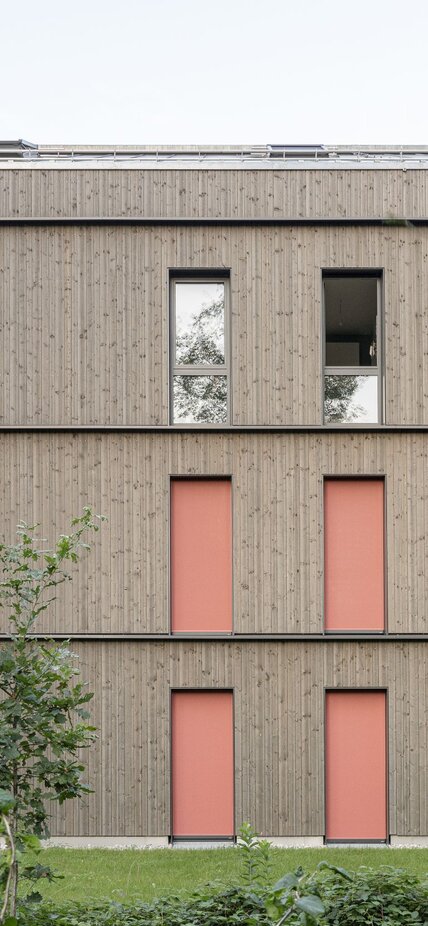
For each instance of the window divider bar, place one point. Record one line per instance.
(351, 371)
(194, 370)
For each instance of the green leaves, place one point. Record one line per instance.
(339, 871)
(34, 897)
(208, 906)
(385, 896)
(310, 904)
(43, 716)
(255, 857)
(294, 898)
(7, 801)
(285, 883)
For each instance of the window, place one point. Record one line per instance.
(201, 556)
(356, 766)
(199, 350)
(354, 568)
(352, 348)
(202, 764)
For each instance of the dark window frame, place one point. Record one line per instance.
(177, 276)
(375, 371)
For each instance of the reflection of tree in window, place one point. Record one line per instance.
(202, 397)
(202, 343)
(338, 398)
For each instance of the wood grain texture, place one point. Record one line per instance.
(277, 497)
(307, 193)
(84, 320)
(279, 730)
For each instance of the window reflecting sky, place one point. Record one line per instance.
(351, 399)
(199, 322)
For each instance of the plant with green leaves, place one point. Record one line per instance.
(12, 856)
(386, 896)
(44, 722)
(255, 854)
(297, 896)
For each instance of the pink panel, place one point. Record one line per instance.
(354, 554)
(201, 556)
(356, 765)
(202, 763)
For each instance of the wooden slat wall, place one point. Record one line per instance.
(122, 586)
(213, 193)
(83, 328)
(84, 320)
(279, 730)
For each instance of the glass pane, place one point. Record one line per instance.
(200, 399)
(350, 321)
(199, 323)
(351, 399)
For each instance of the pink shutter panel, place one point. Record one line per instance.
(202, 763)
(201, 556)
(354, 554)
(356, 765)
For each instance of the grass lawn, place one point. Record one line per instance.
(131, 873)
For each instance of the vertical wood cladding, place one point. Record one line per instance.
(277, 497)
(247, 193)
(279, 730)
(84, 317)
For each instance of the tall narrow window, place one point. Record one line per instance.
(201, 556)
(354, 570)
(352, 391)
(202, 764)
(199, 350)
(356, 768)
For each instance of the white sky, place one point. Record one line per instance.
(225, 71)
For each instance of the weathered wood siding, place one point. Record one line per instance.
(279, 730)
(84, 320)
(277, 488)
(201, 192)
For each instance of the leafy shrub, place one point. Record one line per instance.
(385, 896)
(203, 908)
(295, 898)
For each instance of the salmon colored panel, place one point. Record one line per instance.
(354, 554)
(356, 765)
(201, 556)
(202, 763)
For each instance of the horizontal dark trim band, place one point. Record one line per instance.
(214, 429)
(337, 221)
(234, 638)
(178, 839)
(356, 842)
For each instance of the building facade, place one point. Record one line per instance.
(225, 352)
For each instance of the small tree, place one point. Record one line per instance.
(43, 715)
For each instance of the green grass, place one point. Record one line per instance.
(132, 873)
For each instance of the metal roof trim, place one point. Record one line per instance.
(206, 157)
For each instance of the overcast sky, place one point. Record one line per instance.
(225, 71)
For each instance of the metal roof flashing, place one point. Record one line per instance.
(23, 154)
